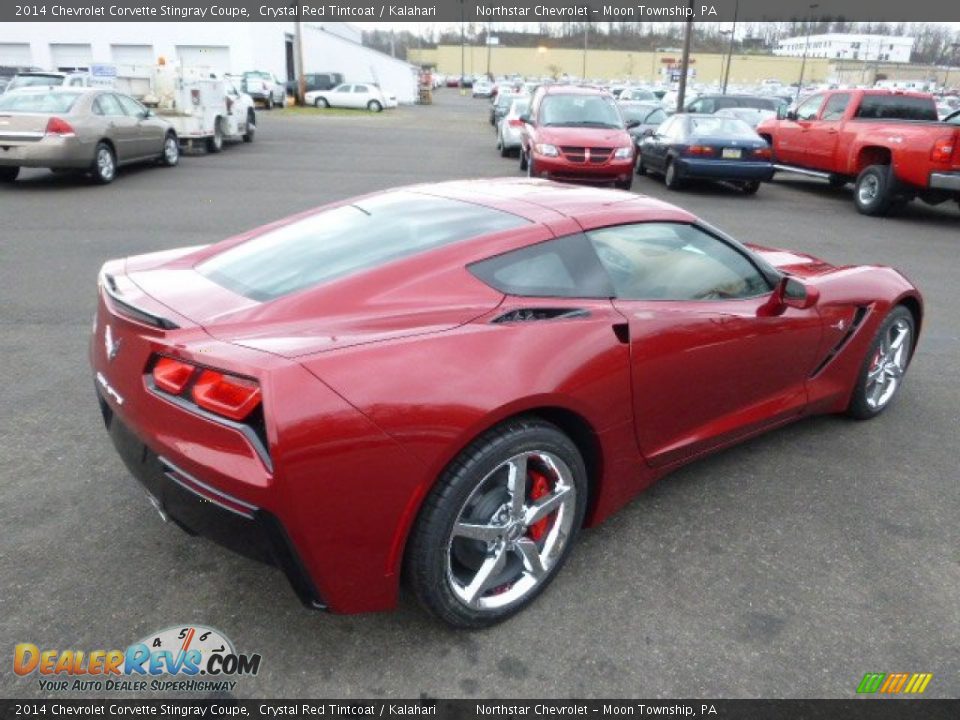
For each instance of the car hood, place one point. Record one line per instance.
(584, 137)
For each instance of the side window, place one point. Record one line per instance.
(343, 89)
(673, 261)
(809, 108)
(565, 267)
(835, 107)
(696, 106)
(109, 105)
(678, 129)
(130, 106)
(360, 88)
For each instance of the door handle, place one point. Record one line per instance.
(833, 132)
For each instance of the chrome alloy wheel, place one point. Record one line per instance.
(868, 190)
(511, 531)
(105, 164)
(171, 150)
(888, 365)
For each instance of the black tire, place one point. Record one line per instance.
(268, 103)
(624, 184)
(523, 159)
(374, 106)
(104, 168)
(750, 187)
(860, 408)
(170, 156)
(641, 168)
(671, 176)
(9, 174)
(429, 550)
(251, 132)
(531, 167)
(504, 150)
(321, 103)
(215, 143)
(873, 192)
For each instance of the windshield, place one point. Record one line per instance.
(579, 111)
(38, 102)
(349, 239)
(22, 81)
(725, 126)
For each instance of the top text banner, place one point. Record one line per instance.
(475, 11)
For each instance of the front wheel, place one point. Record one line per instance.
(251, 132)
(9, 174)
(873, 191)
(171, 150)
(499, 524)
(523, 159)
(641, 168)
(885, 365)
(215, 143)
(624, 184)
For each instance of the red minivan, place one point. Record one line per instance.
(576, 133)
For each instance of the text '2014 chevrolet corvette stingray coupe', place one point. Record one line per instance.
(446, 382)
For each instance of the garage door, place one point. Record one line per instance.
(215, 57)
(68, 56)
(141, 55)
(15, 54)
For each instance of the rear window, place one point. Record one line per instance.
(896, 107)
(39, 102)
(347, 240)
(760, 103)
(22, 81)
(719, 125)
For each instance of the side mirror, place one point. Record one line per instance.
(649, 132)
(148, 113)
(791, 115)
(790, 293)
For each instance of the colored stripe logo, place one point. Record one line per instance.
(895, 683)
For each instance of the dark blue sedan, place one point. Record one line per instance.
(707, 147)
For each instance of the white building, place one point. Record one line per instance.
(222, 46)
(844, 46)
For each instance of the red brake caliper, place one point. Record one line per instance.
(540, 487)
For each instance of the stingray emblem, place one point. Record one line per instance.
(839, 325)
(110, 345)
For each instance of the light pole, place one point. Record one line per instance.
(685, 60)
(733, 34)
(463, 51)
(489, 49)
(806, 47)
(586, 34)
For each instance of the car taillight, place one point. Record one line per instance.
(700, 150)
(56, 126)
(516, 122)
(227, 395)
(765, 153)
(942, 149)
(172, 375)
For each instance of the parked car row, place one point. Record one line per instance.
(894, 146)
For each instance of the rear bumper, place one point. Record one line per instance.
(200, 509)
(49, 152)
(945, 181)
(725, 169)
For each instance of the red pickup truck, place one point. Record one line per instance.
(888, 143)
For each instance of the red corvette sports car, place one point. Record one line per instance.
(446, 382)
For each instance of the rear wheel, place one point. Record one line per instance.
(104, 168)
(884, 366)
(504, 150)
(750, 187)
(9, 174)
(671, 176)
(374, 106)
(873, 192)
(251, 132)
(171, 150)
(215, 143)
(499, 524)
(523, 159)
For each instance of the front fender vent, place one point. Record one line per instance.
(538, 314)
(855, 324)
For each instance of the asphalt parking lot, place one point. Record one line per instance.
(788, 566)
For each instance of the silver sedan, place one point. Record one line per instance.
(91, 129)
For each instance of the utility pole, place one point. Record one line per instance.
(733, 34)
(685, 60)
(806, 47)
(586, 34)
(489, 48)
(298, 59)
